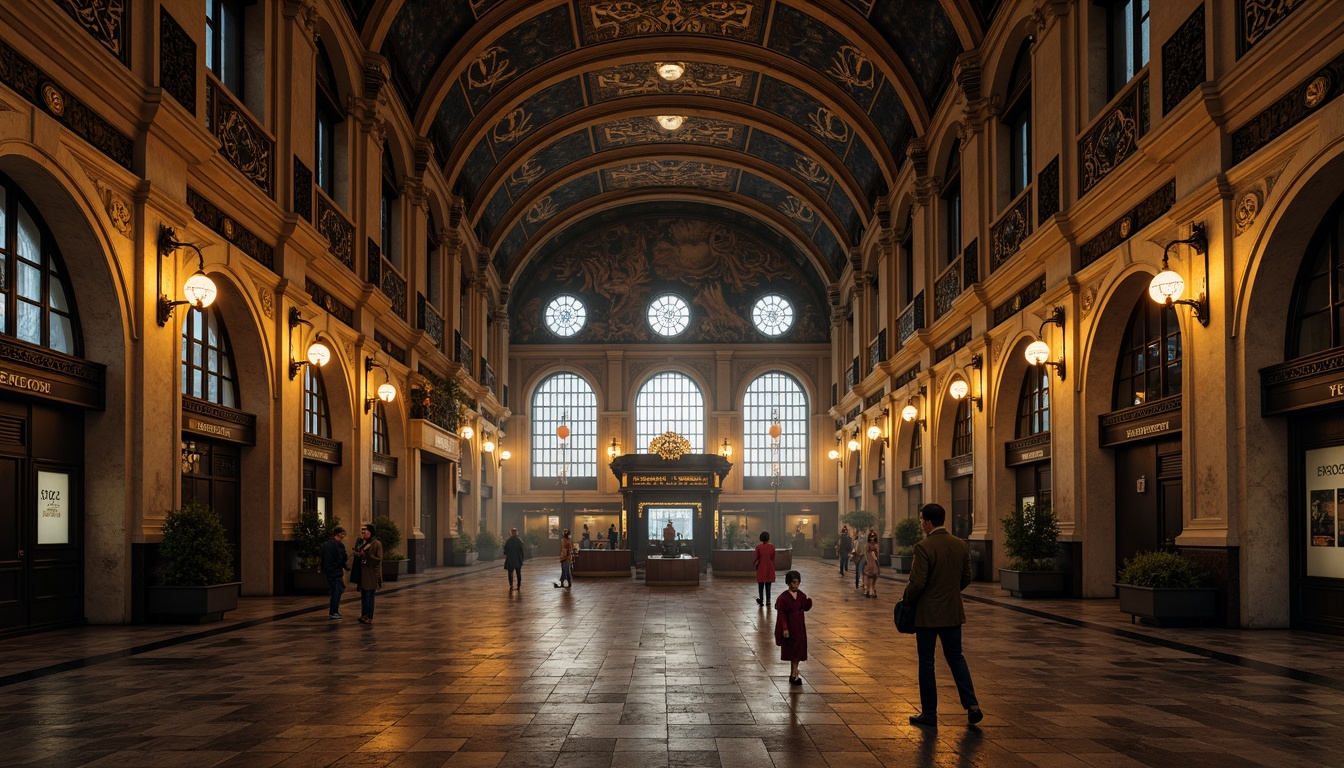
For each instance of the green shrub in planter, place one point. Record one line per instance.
(1030, 535)
(310, 533)
(487, 540)
(195, 551)
(1159, 570)
(829, 541)
(533, 536)
(464, 545)
(908, 533)
(389, 534)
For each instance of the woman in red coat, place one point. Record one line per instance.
(791, 626)
(765, 569)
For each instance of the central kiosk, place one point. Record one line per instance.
(670, 512)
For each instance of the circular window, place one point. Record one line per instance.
(669, 315)
(565, 315)
(772, 315)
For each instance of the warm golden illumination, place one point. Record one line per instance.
(387, 393)
(909, 413)
(853, 444)
(833, 455)
(488, 446)
(1166, 286)
(504, 455)
(200, 290)
(726, 449)
(614, 449)
(318, 354)
(959, 389)
(874, 431)
(670, 123)
(670, 71)
(467, 432)
(1038, 352)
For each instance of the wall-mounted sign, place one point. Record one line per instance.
(53, 508)
(912, 477)
(384, 465)
(205, 419)
(1324, 468)
(1141, 422)
(671, 479)
(553, 526)
(1307, 382)
(321, 450)
(958, 466)
(1028, 450)
(36, 372)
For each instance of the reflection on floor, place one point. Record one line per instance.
(458, 671)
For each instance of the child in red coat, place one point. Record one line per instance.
(790, 625)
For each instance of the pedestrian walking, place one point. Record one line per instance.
(334, 565)
(846, 544)
(513, 559)
(871, 566)
(942, 569)
(856, 555)
(791, 626)
(764, 560)
(566, 561)
(369, 552)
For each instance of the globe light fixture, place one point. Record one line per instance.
(853, 444)
(671, 71)
(1166, 286)
(670, 123)
(319, 353)
(466, 432)
(1038, 352)
(726, 449)
(199, 289)
(909, 413)
(488, 446)
(959, 389)
(386, 391)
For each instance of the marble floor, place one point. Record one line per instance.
(458, 671)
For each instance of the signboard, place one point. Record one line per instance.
(205, 419)
(1142, 422)
(1028, 450)
(1324, 468)
(1307, 382)
(53, 508)
(670, 479)
(958, 466)
(321, 450)
(912, 477)
(37, 372)
(384, 465)
(553, 526)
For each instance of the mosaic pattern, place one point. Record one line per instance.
(1033, 291)
(1183, 60)
(177, 61)
(220, 223)
(604, 20)
(670, 173)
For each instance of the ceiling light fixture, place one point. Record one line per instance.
(670, 123)
(671, 71)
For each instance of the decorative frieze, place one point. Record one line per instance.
(303, 190)
(1033, 291)
(222, 224)
(877, 350)
(1007, 234)
(1120, 230)
(105, 20)
(911, 320)
(970, 264)
(177, 61)
(950, 348)
(429, 320)
(340, 233)
(1114, 137)
(1294, 107)
(1047, 191)
(874, 399)
(1183, 60)
(946, 289)
(462, 352)
(389, 281)
(331, 304)
(242, 140)
(393, 351)
(906, 377)
(1257, 18)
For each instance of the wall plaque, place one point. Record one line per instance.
(1141, 422)
(1028, 450)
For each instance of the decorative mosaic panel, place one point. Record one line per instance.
(40, 90)
(1294, 107)
(603, 20)
(670, 173)
(959, 341)
(643, 129)
(1033, 291)
(823, 49)
(970, 264)
(1183, 60)
(946, 289)
(303, 190)
(105, 20)
(222, 224)
(519, 50)
(923, 37)
(428, 319)
(1114, 137)
(243, 142)
(1007, 234)
(1133, 220)
(338, 230)
(177, 61)
(393, 351)
(1257, 18)
(333, 306)
(415, 47)
(1047, 191)
(911, 320)
(701, 78)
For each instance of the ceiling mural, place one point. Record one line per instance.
(625, 259)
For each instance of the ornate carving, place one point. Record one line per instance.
(218, 412)
(953, 344)
(340, 233)
(177, 61)
(1047, 191)
(1183, 60)
(1294, 371)
(966, 73)
(907, 376)
(1031, 292)
(242, 141)
(1140, 216)
(1009, 231)
(39, 357)
(911, 320)
(1248, 207)
(393, 351)
(1257, 18)
(53, 99)
(303, 190)
(105, 20)
(998, 349)
(388, 280)
(119, 213)
(211, 216)
(735, 20)
(429, 320)
(946, 289)
(1112, 139)
(331, 304)
(265, 297)
(1139, 412)
(1089, 299)
(1289, 110)
(877, 350)
(970, 264)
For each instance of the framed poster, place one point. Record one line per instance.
(1324, 469)
(553, 525)
(53, 508)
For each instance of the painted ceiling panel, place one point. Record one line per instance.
(846, 213)
(924, 38)
(831, 249)
(803, 166)
(414, 48)
(643, 129)
(574, 146)
(478, 166)
(801, 37)
(517, 51)
(895, 123)
(605, 20)
(449, 123)
(509, 248)
(797, 210)
(863, 165)
(526, 118)
(571, 192)
(670, 173)
(493, 214)
(700, 79)
(799, 107)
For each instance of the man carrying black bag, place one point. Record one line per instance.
(942, 569)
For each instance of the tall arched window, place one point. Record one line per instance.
(1017, 119)
(328, 118)
(1150, 356)
(315, 419)
(1318, 299)
(961, 429)
(1033, 407)
(951, 198)
(36, 303)
(380, 441)
(207, 359)
(770, 396)
(564, 399)
(672, 402)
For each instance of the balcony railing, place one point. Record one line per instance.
(1006, 234)
(340, 233)
(242, 140)
(487, 376)
(947, 288)
(911, 320)
(1114, 135)
(462, 352)
(852, 374)
(877, 350)
(429, 320)
(388, 279)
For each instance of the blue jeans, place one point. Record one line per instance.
(337, 585)
(366, 602)
(567, 572)
(925, 638)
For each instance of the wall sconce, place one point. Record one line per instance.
(199, 289)
(835, 455)
(190, 457)
(318, 352)
(726, 449)
(853, 443)
(961, 388)
(466, 432)
(911, 413)
(1038, 352)
(488, 445)
(1167, 286)
(504, 454)
(386, 391)
(614, 449)
(876, 430)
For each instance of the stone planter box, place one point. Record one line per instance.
(462, 558)
(1033, 583)
(192, 605)
(902, 563)
(488, 555)
(828, 553)
(1168, 607)
(392, 569)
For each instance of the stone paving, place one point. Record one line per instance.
(458, 671)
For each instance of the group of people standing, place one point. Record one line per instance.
(365, 569)
(862, 552)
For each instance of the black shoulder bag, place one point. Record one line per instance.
(904, 616)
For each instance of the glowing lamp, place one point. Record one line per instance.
(775, 431)
(833, 454)
(387, 393)
(853, 444)
(1166, 286)
(874, 432)
(318, 354)
(959, 389)
(1038, 352)
(467, 432)
(909, 413)
(488, 446)
(200, 290)
(670, 71)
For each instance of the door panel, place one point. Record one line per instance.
(429, 510)
(13, 585)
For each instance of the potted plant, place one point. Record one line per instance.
(859, 521)
(395, 563)
(195, 573)
(310, 533)
(464, 552)
(532, 539)
(1165, 589)
(487, 545)
(1031, 538)
(828, 543)
(908, 534)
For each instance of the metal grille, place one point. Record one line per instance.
(774, 396)
(207, 359)
(1150, 356)
(564, 399)
(670, 402)
(315, 419)
(961, 430)
(1033, 407)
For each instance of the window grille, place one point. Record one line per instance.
(315, 419)
(207, 359)
(774, 395)
(670, 402)
(564, 399)
(1033, 407)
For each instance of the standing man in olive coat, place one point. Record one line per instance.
(941, 570)
(513, 558)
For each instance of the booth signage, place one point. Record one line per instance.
(1028, 450)
(1143, 422)
(53, 508)
(670, 479)
(912, 477)
(216, 422)
(1324, 481)
(37, 372)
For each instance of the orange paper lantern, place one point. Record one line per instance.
(562, 432)
(775, 430)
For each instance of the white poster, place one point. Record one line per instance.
(53, 508)
(1325, 496)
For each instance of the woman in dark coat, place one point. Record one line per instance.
(791, 625)
(369, 553)
(764, 560)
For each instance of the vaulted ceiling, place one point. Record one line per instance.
(797, 114)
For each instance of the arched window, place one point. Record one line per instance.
(315, 419)
(772, 396)
(380, 441)
(1150, 356)
(329, 117)
(670, 402)
(961, 429)
(564, 399)
(916, 447)
(1017, 119)
(207, 359)
(1033, 407)
(1318, 299)
(951, 198)
(387, 208)
(36, 303)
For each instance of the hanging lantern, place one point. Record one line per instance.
(562, 432)
(775, 431)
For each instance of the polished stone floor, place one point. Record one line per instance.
(457, 671)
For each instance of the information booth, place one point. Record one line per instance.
(681, 493)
